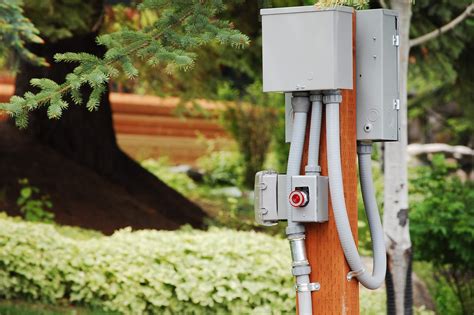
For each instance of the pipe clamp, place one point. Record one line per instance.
(353, 274)
(308, 287)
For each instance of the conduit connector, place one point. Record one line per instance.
(316, 96)
(300, 263)
(332, 96)
(364, 148)
(300, 102)
(312, 169)
(298, 250)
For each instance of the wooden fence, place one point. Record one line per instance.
(149, 126)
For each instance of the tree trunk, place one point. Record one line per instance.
(88, 138)
(395, 217)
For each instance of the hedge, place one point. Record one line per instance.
(148, 272)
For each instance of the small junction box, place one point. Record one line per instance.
(272, 199)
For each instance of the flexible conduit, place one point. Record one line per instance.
(315, 133)
(293, 168)
(339, 206)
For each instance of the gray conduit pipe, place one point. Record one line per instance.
(315, 133)
(364, 152)
(295, 231)
(332, 100)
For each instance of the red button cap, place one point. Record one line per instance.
(298, 198)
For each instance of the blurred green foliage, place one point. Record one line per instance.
(34, 206)
(226, 210)
(252, 127)
(440, 72)
(222, 168)
(443, 295)
(62, 19)
(178, 181)
(442, 226)
(20, 307)
(148, 272)
(16, 31)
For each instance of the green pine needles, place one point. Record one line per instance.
(16, 31)
(181, 26)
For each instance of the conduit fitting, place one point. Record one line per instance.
(301, 270)
(364, 148)
(298, 250)
(300, 102)
(316, 96)
(295, 229)
(332, 96)
(312, 169)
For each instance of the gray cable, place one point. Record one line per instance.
(372, 211)
(300, 108)
(340, 213)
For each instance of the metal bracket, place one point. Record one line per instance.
(308, 287)
(353, 274)
(396, 104)
(396, 40)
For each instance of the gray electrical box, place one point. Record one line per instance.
(306, 48)
(271, 198)
(378, 101)
(266, 202)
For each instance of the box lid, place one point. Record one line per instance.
(304, 9)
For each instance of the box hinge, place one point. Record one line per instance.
(396, 104)
(396, 40)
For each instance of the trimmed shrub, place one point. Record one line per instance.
(148, 272)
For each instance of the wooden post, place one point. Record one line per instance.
(325, 255)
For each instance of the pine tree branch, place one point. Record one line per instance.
(169, 41)
(16, 31)
(447, 27)
(64, 88)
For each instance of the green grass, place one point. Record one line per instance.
(17, 307)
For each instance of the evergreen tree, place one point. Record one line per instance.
(81, 65)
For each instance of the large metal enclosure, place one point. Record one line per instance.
(377, 75)
(306, 48)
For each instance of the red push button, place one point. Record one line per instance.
(298, 198)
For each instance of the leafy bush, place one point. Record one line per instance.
(33, 205)
(187, 271)
(280, 148)
(178, 181)
(445, 299)
(222, 168)
(252, 126)
(442, 227)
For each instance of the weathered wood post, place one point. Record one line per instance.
(328, 264)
